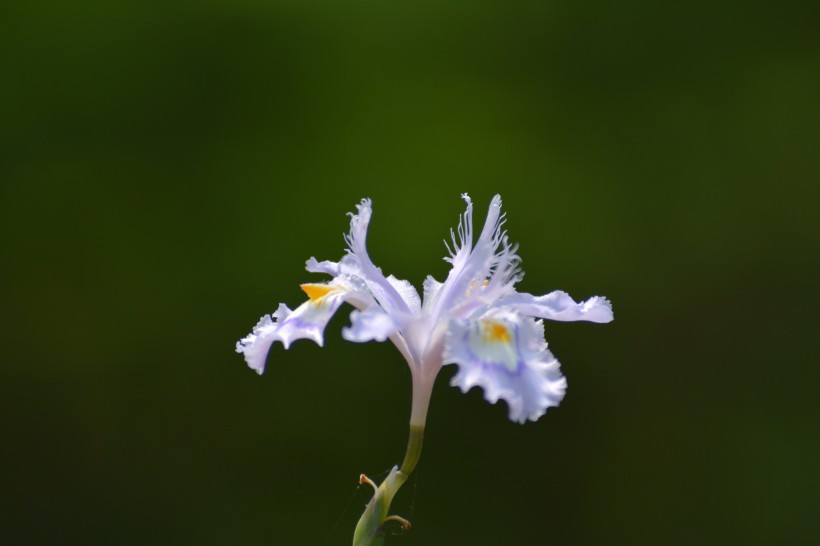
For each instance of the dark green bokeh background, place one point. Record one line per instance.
(166, 169)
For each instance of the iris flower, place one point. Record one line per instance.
(475, 320)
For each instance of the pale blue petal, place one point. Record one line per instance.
(480, 272)
(307, 321)
(407, 292)
(559, 305)
(255, 346)
(326, 266)
(506, 355)
(369, 325)
(431, 289)
(358, 263)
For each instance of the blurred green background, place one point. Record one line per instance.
(167, 167)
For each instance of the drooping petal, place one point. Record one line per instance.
(255, 346)
(358, 263)
(307, 321)
(370, 325)
(506, 355)
(559, 305)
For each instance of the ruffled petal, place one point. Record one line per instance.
(559, 305)
(506, 355)
(372, 324)
(255, 346)
(307, 321)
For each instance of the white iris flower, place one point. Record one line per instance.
(475, 319)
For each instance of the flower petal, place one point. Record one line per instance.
(307, 321)
(358, 263)
(431, 288)
(407, 292)
(326, 266)
(255, 346)
(483, 266)
(372, 324)
(559, 305)
(506, 354)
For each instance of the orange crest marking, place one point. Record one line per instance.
(496, 332)
(316, 291)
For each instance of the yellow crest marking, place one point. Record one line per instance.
(316, 291)
(496, 332)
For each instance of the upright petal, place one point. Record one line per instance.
(506, 355)
(559, 305)
(434, 291)
(407, 292)
(481, 266)
(359, 261)
(431, 289)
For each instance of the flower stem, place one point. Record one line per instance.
(370, 529)
(414, 442)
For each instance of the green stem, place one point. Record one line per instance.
(370, 529)
(411, 457)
